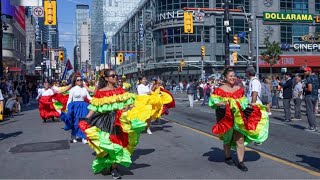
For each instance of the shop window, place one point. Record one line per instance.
(7, 41)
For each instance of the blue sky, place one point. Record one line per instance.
(66, 17)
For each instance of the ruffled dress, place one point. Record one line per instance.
(113, 131)
(46, 108)
(253, 125)
(61, 99)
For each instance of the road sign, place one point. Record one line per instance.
(38, 11)
(234, 47)
(199, 16)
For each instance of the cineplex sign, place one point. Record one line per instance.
(297, 17)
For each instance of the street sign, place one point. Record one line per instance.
(234, 47)
(38, 11)
(199, 16)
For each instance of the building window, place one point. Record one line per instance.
(235, 4)
(294, 6)
(317, 6)
(7, 41)
(163, 6)
(237, 26)
(291, 34)
(175, 35)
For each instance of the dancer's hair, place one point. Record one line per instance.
(102, 75)
(140, 79)
(227, 71)
(74, 79)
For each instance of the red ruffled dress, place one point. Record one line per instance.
(46, 107)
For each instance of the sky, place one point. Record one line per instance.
(66, 16)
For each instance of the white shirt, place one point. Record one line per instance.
(55, 88)
(143, 89)
(1, 96)
(78, 93)
(10, 103)
(43, 92)
(254, 86)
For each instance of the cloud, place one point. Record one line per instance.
(66, 36)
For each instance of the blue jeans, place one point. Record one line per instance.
(206, 99)
(310, 104)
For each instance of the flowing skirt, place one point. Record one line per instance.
(46, 108)
(76, 110)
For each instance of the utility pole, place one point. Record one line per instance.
(44, 65)
(257, 46)
(1, 35)
(228, 29)
(138, 58)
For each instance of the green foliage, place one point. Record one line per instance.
(272, 54)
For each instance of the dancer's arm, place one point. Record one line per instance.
(90, 114)
(66, 89)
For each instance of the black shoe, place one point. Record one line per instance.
(115, 174)
(229, 161)
(242, 167)
(44, 120)
(53, 119)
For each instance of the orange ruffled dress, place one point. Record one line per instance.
(254, 127)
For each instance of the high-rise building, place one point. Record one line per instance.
(85, 45)
(53, 41)
(82, 15)
(96, 32)
(115, 12)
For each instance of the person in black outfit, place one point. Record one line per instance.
(287, 95)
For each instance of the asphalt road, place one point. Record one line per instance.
(173, 151)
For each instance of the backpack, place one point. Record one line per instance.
(264, 94)
(208, 91)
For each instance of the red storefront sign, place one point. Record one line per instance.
(294, 61)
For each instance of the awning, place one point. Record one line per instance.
(14, 69)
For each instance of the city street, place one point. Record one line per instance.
(181, 147)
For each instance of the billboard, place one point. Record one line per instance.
(26, 2)
(7, 8)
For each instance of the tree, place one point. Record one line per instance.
(272, 54)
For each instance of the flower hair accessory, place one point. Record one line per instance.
(101, 74)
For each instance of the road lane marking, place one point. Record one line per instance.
(301, 168)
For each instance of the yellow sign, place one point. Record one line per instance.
(276, 16)
(317, 19)
(50, 12)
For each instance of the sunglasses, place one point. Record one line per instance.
(79, 80)
(113, 75)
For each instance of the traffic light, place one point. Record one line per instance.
(188, 22)
(203, 52)
(182, 63)
(120, 58)
(235, 57)
(179, 69)
(236, 39)
(61, 56)
(50, 11)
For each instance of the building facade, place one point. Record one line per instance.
(97, 31)
(82, 15)
(161, 46)
(85, 45)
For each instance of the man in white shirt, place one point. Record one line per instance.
(254, 89)
(297, 97)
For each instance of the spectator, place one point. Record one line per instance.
(266, 97)
(297, 97)
(191, 93)
(207, 93)
(275, 100)
(181, 87)
(311, 96)
(174, 87)
(11, 106)
(287, 95)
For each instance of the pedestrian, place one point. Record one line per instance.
(174, 87)
(191, 93)
(297, 97)
(287, 96)
(311, 96)
(46, 107)
(77, 109)
(208, 91)
(181, 87)
(266, 95)
(237, 118)
(143, 89)
(113, 125)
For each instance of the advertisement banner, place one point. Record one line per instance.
(7, 8)
(19, 16)
(294, 61)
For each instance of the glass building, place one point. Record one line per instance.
(96, 32)
(163, 44)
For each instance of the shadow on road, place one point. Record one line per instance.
(311, 161)
(278, 118)
(7, 121)
(297, 126)
(161, 128)
(141, 152)
(6, 136)
(217, 155)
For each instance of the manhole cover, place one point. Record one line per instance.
(41, 146)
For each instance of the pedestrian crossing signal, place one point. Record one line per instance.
(179, 69)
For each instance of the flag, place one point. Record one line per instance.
(242, 34)
(66, 69)
(104, 48)
(26, 2)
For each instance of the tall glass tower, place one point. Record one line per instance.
(96, 32)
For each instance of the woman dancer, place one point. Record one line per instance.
(77, 109)
(46, 107)
(113, 125)
(238, 122)
(143, 89)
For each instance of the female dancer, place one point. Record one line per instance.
(143, 89)
(113, 125)
(46, 107)
(77, 109)
(238, 122)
